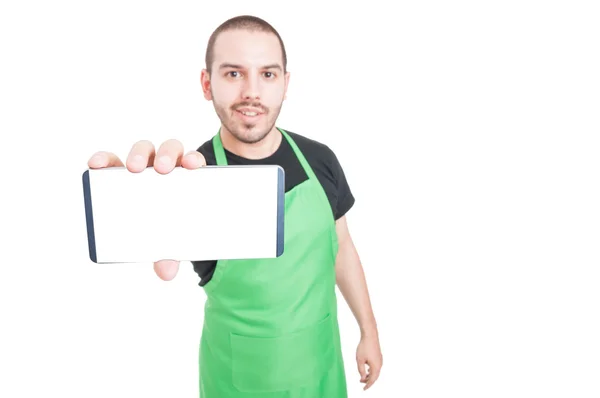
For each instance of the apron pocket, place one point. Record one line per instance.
(267, 364)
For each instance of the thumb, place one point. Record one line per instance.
(166, 269)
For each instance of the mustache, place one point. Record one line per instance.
(250, 104)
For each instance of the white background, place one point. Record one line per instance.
(469, 135)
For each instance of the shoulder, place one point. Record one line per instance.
(316, 152)
(304, 142)
(324, 162)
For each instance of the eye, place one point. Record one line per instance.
(269, 75)
(233, 73)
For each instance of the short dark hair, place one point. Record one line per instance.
(242, 22)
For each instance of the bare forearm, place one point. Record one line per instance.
(351, 281)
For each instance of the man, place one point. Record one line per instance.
(271, 327)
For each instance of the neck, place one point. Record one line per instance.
(258, 150)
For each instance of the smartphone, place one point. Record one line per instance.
(210, 213)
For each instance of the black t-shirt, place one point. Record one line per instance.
(320, 158)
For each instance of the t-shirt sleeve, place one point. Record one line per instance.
(345, 198)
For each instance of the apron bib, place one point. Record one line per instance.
(270, 326)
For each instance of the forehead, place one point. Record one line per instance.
(247, 48)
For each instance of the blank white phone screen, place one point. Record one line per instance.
(211, 213)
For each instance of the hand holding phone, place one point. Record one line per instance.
(170, 154)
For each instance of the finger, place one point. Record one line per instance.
(373, 376)
(362, 370)
(166, 269)
(104, 159)
(168, 156)
(140, 156)
(193, 160)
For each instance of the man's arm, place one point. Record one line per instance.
(351, 281)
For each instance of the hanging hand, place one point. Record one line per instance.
(368, 354)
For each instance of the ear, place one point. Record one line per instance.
(287, 82)
(205, 82)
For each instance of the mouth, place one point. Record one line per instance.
(249, 113)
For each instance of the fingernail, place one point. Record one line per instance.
(138, 158)
(165, 160)
(97, 159)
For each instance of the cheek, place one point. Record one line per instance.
(224, 93)
(274, 95)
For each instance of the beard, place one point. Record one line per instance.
(248, 133)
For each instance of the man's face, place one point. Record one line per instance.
(247, 84)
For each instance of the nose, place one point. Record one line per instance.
(251, 90)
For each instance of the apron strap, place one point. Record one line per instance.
(219, 151)
(309, 171)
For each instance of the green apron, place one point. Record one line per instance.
(270, 325)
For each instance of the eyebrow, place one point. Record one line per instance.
(235, 66)
(272, 66)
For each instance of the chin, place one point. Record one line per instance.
(250, 138)
(250, 134)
